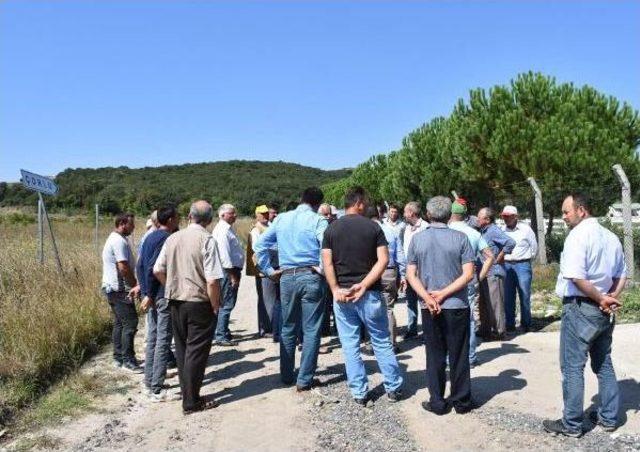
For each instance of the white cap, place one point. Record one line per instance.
(509, 210)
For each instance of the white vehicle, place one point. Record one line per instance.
(615, 213)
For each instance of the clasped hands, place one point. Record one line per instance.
(350, 295)
(433, 301)
(609, 304)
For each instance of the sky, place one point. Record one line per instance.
(325, 84)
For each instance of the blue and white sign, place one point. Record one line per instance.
(38, 183)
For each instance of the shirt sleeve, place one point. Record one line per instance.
(381, 240)
(621, 265)
(412, 255)
(212, 265)
(482, 243)
(326, 239)
(121, 251)
(504, 242)
(321, 226)
(140, 274)
(152, 283)
(161, 262)
(466, 252)
(224, 252)
(261, 248)
(401, 259)
(573, 264)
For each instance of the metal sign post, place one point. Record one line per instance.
(42, 184)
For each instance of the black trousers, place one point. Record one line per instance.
(264, 319)
(448, 333)
(193, 323)
(125, 325)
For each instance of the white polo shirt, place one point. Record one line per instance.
(590, 252)
(410, 231)
(526, 243)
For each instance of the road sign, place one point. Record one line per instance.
(38, 183)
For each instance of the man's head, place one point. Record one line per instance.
(201, 213)
(412, 211)
(510, 216)
(356, 200)
(125, 223)
(394, 212)
(273, 212)
(262, 214)
(325, 210)
(486, 216)
(168, 217)
(575, 208)
(227, 213)
(372, 213)
(312, 196)
(458, 210)
(439, 209)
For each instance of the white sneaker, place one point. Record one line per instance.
(164, 396)
(144, 389)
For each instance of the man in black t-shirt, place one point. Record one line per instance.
(354, 255)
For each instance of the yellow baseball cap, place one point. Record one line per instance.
(262, 209)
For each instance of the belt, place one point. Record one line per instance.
(296, 270)
(577, 299)
(517, 261)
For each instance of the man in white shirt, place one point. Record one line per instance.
(592, 276)
(517, 265)
(120, 286)
(414, 225)
(393, 220)
(232, 259)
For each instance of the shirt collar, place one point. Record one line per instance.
(223, 224)
(587, 222)
(303, 207)
(437, 225)
(196, 226)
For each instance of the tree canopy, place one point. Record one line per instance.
(245, 184)
(566, 137)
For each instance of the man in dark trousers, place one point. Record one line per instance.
(158, 349)
(355, 255)
(440, 264)
(190, 269)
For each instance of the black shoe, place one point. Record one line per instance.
(303, 388)
(511, 329)
(394, 396)
(202, 406)
(464, 409)
(427, 407)
(225, 343)
(367, 350)
(364, 401)
(593, 417)
(132, 366)
(409, 335)
(557, 428)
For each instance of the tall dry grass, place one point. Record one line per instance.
(50, 323)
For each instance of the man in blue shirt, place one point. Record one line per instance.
(298, 235)
(492, 313)
(158, 351)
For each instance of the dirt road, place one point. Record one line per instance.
(516, 385)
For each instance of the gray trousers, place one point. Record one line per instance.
(390, 295)
(158, 348)
(492, 316)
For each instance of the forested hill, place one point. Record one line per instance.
(242, 183)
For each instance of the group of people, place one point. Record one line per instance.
(463, 272)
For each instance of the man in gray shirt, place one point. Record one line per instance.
(440, 264)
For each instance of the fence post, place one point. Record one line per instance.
(542, 245)
(626, 217)
(95, 235)
(53, 238)
(40, 233)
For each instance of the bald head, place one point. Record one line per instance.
(201, 213)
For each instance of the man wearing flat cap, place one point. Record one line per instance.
(518, 268)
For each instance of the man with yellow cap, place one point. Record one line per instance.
(262, 223)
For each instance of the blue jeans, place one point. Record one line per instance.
(585, 330)
(271, 297)
(472, 293)
(229, 298)
(412, 310)
(302, 308)
(518, 279)
(370, 310)
(158, 349)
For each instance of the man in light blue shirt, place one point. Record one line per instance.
(298, 235)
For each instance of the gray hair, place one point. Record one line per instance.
(414, 206)
(439, 209)
(201, 212)
(489, 213)
(224, 208)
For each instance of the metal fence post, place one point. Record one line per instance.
(542, 245)
(626, 217)
(40, 232)
(95, 236)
